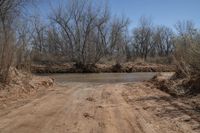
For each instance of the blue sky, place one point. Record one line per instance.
(162, 12)
(165, 12)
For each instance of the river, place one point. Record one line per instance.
(102, 77)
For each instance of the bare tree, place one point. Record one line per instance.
(55, 42)
(83, 27)
(143, 37)
(185, 41)
(185, 28)
(193, 56)
(9, 10)
(39, 34)
(24, 38)
(163, 41)
(118, 38)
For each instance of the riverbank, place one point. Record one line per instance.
(22, 86)
(103, 68)
(185, 90)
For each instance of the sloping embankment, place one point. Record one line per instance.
(186, 90)
(103, 68)
(22, 85)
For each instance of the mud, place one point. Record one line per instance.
(101, 108)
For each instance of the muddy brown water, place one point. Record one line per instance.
(102, 77)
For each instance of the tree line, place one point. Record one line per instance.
(83, 32)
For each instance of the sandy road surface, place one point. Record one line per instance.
(100, 108)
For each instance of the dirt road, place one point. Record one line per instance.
(100, 108)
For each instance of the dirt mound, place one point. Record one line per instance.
(186, 90)
(21, 85)
(192, 85)
(177, 86)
